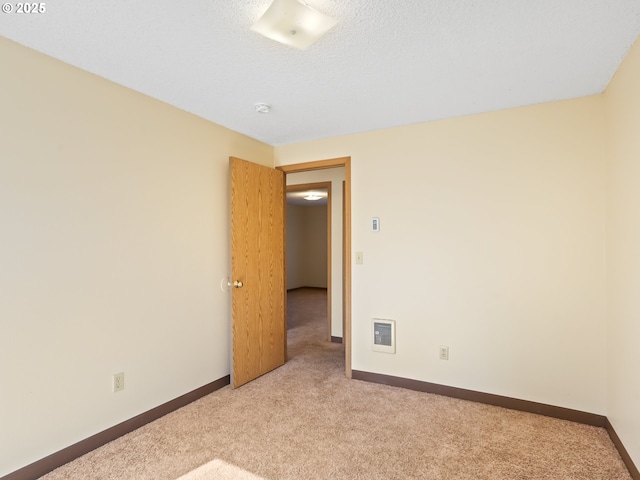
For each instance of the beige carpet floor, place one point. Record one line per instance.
(305, 420)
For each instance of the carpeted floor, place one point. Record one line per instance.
(305, 420)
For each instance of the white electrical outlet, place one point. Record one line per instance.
(444, 352)
(118, 382)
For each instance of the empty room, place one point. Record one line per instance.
(479, 318)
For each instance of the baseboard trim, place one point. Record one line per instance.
(57, 459)
(336, 339)
(626, 458)
(487, 398)
(506, 402)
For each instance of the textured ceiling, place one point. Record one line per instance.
(386, 63)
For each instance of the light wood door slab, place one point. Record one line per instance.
(258, 259)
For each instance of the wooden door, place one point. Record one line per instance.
(258, 259)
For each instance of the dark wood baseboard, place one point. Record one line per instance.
(57, 459)
(506, 402)
(488, 398)
(336, 339)
(626, 458)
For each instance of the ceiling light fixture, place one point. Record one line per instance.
(262, 107)
(293, 23)
(313, 196)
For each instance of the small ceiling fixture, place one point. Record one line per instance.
(312, 196)
(262, 107)
(293, 23)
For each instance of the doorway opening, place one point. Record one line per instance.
(339, 319)
(308, 239)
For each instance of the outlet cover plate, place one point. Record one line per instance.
(444, 352)
(118, 382)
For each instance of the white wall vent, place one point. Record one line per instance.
(384, 335)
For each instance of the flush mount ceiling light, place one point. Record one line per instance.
(312, 196)
(262, 107)
(293, 23)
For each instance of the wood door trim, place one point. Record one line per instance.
(346, 274)
(298, 187)
(311, 186)
(344, 259)
(329, 263)
(317, 165)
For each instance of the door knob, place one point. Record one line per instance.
(238, 284)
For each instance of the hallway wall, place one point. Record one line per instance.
(306, 246)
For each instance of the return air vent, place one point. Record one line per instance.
(384, 335)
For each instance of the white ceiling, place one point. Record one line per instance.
(385, 64)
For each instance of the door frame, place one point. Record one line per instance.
(346, 246)
(317, 186)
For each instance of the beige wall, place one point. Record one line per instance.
(113, 241)
(622, 99)
(492, 242)
(294, 245)
(307, 246)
